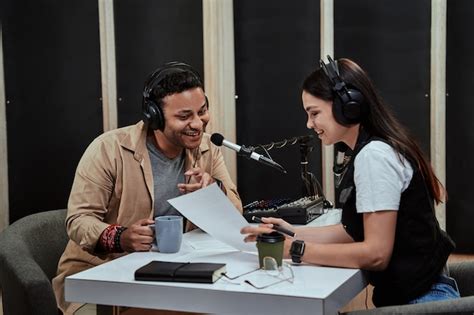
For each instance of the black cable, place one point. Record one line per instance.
(285, 142)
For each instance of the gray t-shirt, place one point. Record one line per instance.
(167, 173)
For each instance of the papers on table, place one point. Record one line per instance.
(212, 211)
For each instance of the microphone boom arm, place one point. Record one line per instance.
(218, 139)
(248, 153)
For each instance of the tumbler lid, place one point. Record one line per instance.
(274, 237)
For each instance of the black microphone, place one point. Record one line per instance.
(305, 138)
(219, 140)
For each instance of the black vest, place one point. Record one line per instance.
(421, 248)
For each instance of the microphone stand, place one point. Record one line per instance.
(311, 184)
(308, 178)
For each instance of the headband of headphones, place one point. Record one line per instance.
(332, 72)
(168, 68)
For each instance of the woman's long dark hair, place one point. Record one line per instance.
(380, 121)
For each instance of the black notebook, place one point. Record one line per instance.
(180, 272)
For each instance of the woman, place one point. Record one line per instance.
(385, 187)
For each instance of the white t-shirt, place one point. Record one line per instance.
(380, 177)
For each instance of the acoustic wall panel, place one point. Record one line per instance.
(391, 40)
(459, 115)
(147, 34)
(276, 46)
(52, 83)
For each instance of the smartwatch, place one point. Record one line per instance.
(297, 251)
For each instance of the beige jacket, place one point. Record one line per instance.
(114, 184)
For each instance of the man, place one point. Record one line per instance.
(126, 175)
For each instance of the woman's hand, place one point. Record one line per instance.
(265, 227)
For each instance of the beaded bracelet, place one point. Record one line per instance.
(117, 245)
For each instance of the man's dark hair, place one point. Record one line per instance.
(169, 80)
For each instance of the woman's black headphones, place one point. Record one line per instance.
(152, 113)
(349, 104)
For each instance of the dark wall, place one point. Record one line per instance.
(276, 46)
(147, 34)
(459, 115)
(52, 81)
(391, 41)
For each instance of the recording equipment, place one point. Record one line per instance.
(219, 140)
(349, 104)
(295, 211)
(311, 185)
(300, 211)
(151, 111)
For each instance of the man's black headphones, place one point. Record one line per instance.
(349, 104)
(151, 111)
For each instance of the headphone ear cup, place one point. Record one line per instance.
(153, 115)
(353, 108)
(337, 111)
(349, 109)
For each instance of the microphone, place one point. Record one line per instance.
(219, 140)
(305, 138)
(339, 164)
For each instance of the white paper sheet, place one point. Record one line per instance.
(212, 211)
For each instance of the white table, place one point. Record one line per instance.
(315, 290)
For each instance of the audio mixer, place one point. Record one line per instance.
(300, 211)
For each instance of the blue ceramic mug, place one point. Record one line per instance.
(169, 233)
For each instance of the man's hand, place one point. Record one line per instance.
(196, 179)
(138, 237)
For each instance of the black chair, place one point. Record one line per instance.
(463, 272)
(30, 249)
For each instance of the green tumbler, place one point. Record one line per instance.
(270, 245)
